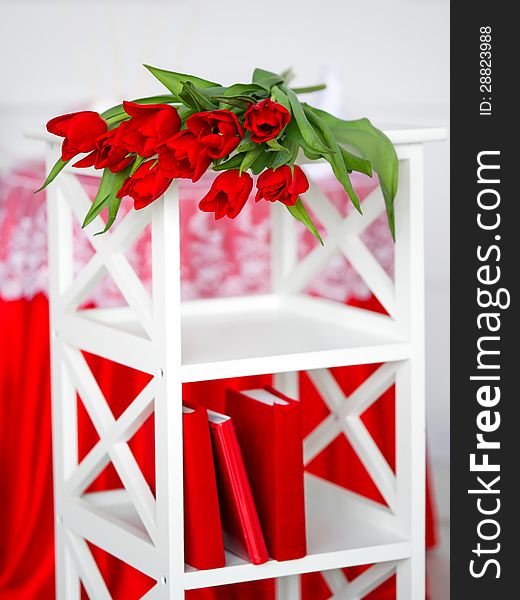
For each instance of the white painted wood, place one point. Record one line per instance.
(343, 529)
(336, 580)
(410, 386)
(372, 272)
(124, 541)
(118, 451)
(64, 418)
(281, 333)
(288, 587)
(122, 430)
(131, 350)
(168, 401)
(87, 568)
(283, 336)
(343, 235)
(344, 418)
(284, 245)
(367, 582)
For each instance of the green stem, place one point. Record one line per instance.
(309, 88)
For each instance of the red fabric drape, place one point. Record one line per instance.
(26, 509)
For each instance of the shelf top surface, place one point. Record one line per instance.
(341, 531)
(259, 334)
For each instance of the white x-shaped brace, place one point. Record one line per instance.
(88, 571)
(113, 437)
(345, 418)
(363, 584)
(109, 256)
(343, 235)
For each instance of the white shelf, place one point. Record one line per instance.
(342, 530)
(235, 337)
(283, 334)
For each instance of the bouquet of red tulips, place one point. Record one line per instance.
(142, 146)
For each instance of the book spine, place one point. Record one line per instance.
(248, 520)
(289, 497)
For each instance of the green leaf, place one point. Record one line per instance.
(354, 162)
(275, 146)
(101, 199)
(106, 198)
(249, 158)
(196, 98)
(264, 161)
(284, 158)
(113, 202)
(185, 111)
(266, 79)
(336, 158)
(373, 145)
(233, 163)
(116, 120)
(308, 133)
(294, 134)
(309, 88)
(137, 163)
(56, 169)
(174, 81)
(287, 75)
(246, 143)
(118, 109)
(278, 96)
(238, 89)
(299, 212)
(236, 101)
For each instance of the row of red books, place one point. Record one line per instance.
(243, 480)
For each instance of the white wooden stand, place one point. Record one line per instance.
(282, 333)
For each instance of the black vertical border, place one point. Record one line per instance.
(472, 133)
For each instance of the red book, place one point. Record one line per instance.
(269, 431)
(203, 543)
(242, 531)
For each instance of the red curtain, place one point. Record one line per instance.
(26, 506)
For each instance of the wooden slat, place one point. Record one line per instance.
(112, 535)
(371, 271)
(367, 582)
(372, 458)
(87, 568)
(320, 437)
(123, 429)
(370, 390)
(335, 579)
(125, 348)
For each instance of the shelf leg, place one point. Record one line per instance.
(168, 401)
(410, 384)
(288, 588)
(64, 417)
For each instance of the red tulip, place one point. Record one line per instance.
(218, 131)
(228, 194)
(145, 185)
(80, 130)
(107, 154)
(183, 156)
(281, 185)
(265, 120)
(149, 126)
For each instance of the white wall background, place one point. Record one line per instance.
(390, 58)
